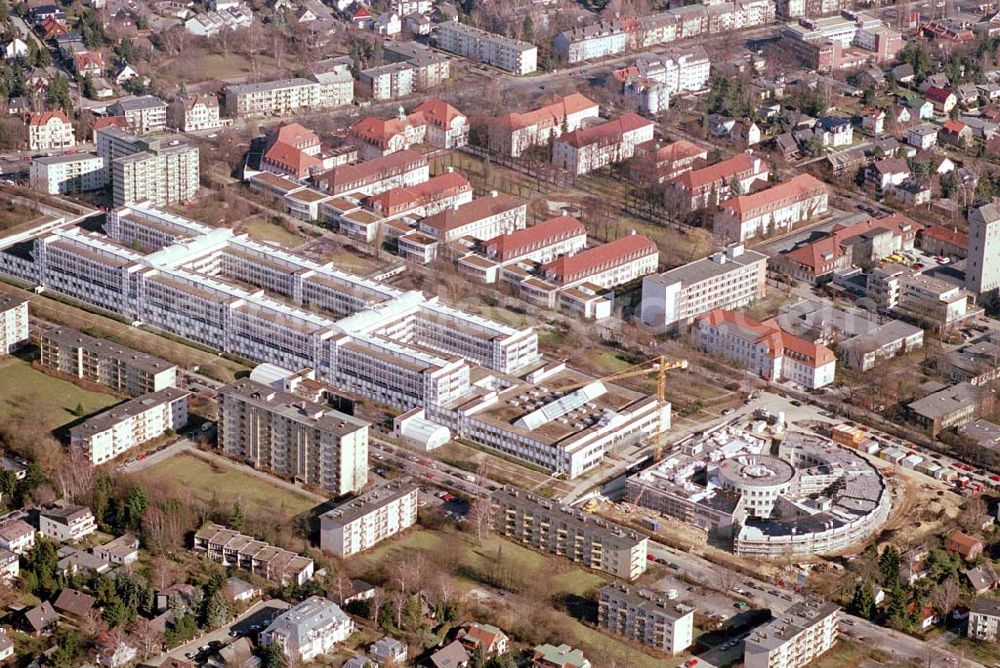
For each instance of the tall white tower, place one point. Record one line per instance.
(982, 271)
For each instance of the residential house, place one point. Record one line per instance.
(835, 131)
(964, 545)
(241, 591)
(452, 655)
(41, 618)
(873, 121)
(70, 523)
(984, 619)
(563, 656)
(50, 131)
(74, 604)
(122, 550)
(486, 638)
(17, 536)
(955, 133)
(983, 577)
(943, 100)
(15, 49)
(10, 568)
(89, 64)
(308, 630)
(922, 136)
(388, 649)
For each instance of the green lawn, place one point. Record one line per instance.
(51, 401)
(204, 480)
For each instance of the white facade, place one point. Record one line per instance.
(67, 524)
(367, 520)
(160, 171)
(585, 150)
(13, 323)
(389, 82)
(273, 98)
(50, 131)
(196, 113)
(776, 209)
(646, 616)
(126, 426)
(795, 638)
(17, 536)
(143, 115)
(68, 174)
(507, 54)
(597, 40)
(728, 279)
(309, 630)
(982, 272)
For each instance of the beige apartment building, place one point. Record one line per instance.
(561, 530)
(100, 361)
(794, 638)
(366, 520)
(281, 432)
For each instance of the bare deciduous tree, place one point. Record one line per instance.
(944, 597)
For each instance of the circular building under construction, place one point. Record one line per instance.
(814, 497)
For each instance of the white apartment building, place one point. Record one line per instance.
(646, 616)
(280, 432)
(80, 355)
(514, 133)
(396, 170)
(727, 280)
(681, 69)
(50, 131)
(363, 522)
(695, 189)
(286, 97)
(932, 302)
(17, 536)
(388, 82)
(13, 322)
(70, 523)
(764, 349)
(549, 527)
(982, 270)
(309, 630)
(195, 112)
(162, 171)
(68, 174)
(234, 549)
(482, 218)
(776, 209)
(597, 40)
(610, 265)
(984, 619)
(794, 638)
(485, 47)
(143, 115)
(587, 149)
(128, 425)
(430, 68)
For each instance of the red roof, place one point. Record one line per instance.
(521, 242)
(402, 199)
(946, 234)
(378, 131)
(571, 268)
(346, 177)
(831, 247)
(438, 112)
(85, 59)
(550, 115)
(935, 94)
(107, 122)
(720, 171)
(43, 117)
(52, 27)
(953, 127)
(612, 130)
(963, 543)
(291, 159)
(476, 210)
(796, 188)
(294, 134)
(778, 342)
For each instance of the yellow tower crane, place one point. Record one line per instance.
(658, 365)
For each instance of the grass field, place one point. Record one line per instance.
(12, 215)
(261, 230)
(50, 401)
(203, 481)
(850, 653)
(218, 66)
(564, 577)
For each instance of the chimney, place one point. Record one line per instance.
(450, 170)
(493, 193)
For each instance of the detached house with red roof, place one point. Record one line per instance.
(50, 131)
(695, 189)
(89, 64)
(964, 545)
(955, 133)
(587, 149)
(944, 241)
(777, 208)
(943, 100)
(514, 133)
(764, 349)
(434, 122)
(293, 150)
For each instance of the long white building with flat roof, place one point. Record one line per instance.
(728, 279)
(364, 521)
(486, 47)
(128, 425)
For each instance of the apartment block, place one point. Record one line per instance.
(728, 280)
(764, 349)
(143, 115)
(482, 218)
(570, 533)
(430, 68)
(514, 133)
(100, 361)
(776, 209)
(947, 407)
(646, 616)
(794, 638)
(933, 302)
(584, 150)
(50, 131)
(596, 40)
(309, 630)
(161, 171)
(196, 112)
(388, 82)
(287, 97)
(481, 46)
(117, 430)
(982, 270)
(365, 521)
(280, 432)
(984, 619)
(698, 188)
(231, 548)
(68, 174)
(13, 322)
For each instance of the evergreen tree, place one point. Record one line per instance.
(528, 29)
(888, 564)
(273, 657)
(133, 506)
(863, 603)
(58, 94)
(217, 612)
(237, 520)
